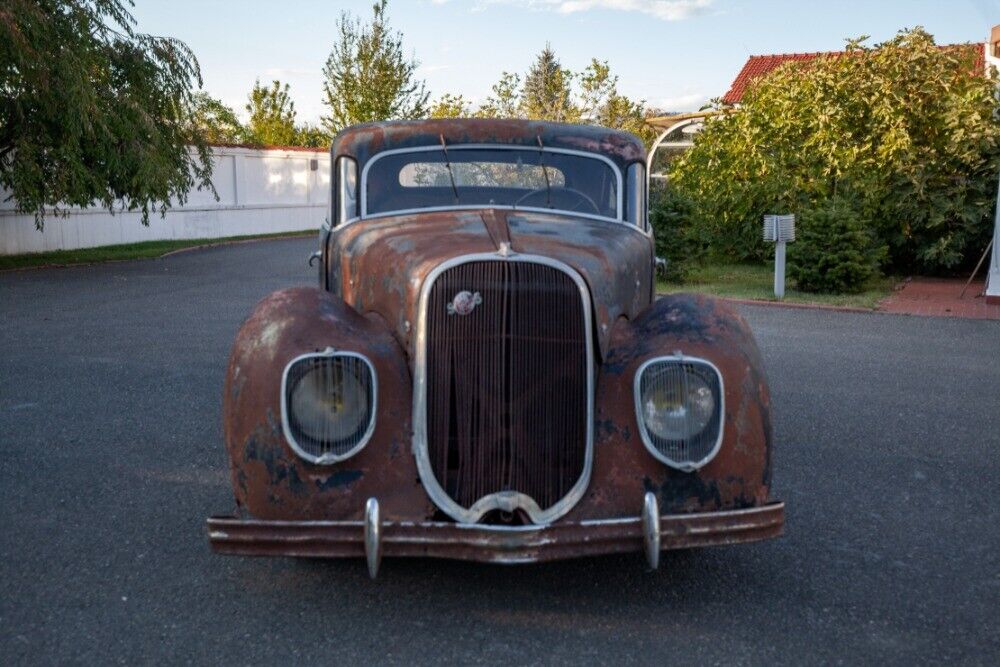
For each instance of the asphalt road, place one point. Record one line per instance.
(888, 454)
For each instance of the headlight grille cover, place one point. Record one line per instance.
(679, 403)
(328, 404)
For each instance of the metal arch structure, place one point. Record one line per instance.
(661, 142)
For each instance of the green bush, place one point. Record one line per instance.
(911, 126)
(834, 250)
(670, 217)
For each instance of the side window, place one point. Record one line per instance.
(347, 190)
(636, 191)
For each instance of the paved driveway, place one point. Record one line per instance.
(888, 454)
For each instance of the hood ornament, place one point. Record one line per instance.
(464, 303)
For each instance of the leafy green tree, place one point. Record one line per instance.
(908, 127)
(368, 77)
(505, 102)
(272, 115)
(450, 106)
(93, 112)
(602, 104)
(312, 136)
(216, 122)
(547, 92)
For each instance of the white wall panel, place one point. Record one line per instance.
(260, 192)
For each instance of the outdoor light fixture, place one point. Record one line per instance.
(779, 229)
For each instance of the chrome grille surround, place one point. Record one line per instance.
(506, 501)
(308, 451)
(668, 452)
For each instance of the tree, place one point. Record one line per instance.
(368, 78)
(215, 121)
(505, 102)
(450, 106)
(602, 104)
(272, 115)
(311, 136)
(834, 250)
(93, 112)
(547, 93)
(908, 127)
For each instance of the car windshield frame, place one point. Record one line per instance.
(437, 150)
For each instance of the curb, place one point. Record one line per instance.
(303, 235)
(56, 265)
(786, 304)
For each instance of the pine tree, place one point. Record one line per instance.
(547, 94)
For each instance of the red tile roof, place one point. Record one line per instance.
(758, 66)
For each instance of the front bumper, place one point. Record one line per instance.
(493, 544)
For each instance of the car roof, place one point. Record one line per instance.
(362, 142)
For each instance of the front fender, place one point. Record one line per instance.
(740, 474)
(269, 480)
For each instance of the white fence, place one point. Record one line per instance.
(260, 192)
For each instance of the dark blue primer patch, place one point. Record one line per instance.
(339, 479)
(262, 449)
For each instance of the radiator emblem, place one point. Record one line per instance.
(464, 303)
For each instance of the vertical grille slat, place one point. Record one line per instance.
(507, 384)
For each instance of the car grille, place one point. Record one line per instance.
(507, 383)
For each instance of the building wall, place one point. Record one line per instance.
(260, 192)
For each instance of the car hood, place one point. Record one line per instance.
(379, 265)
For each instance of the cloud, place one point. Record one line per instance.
(666, 10)
(686, 102)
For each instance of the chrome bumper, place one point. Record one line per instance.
(487, 543)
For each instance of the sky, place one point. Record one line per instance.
(675, 54)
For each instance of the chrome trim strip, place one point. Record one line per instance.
(503, 500)
(328, 458)
(746, 512)
(500, 147)
(684, 466)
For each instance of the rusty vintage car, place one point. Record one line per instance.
(484, 371)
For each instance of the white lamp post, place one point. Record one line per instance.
(779, 229)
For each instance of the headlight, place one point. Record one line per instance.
(328, 405)
(679, 407)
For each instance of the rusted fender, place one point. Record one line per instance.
(740, 474)
(268, 479)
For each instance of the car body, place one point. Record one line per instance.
(484, 371)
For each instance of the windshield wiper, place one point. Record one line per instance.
(447, 162)
(545, 170)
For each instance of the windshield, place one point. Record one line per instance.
(518, 178)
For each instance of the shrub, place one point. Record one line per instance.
(910, 125)
(670, 217)
(834, 250)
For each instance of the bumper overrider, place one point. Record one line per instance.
(371, 500)
(374, 537)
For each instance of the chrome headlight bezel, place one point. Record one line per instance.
(686, 464)
(287, 427)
